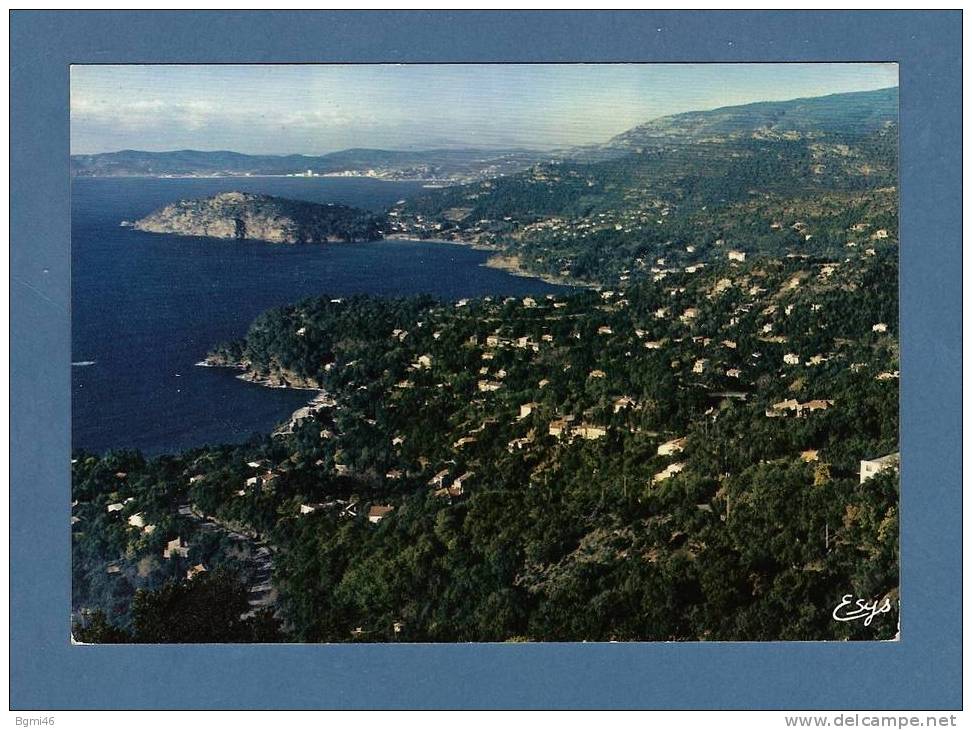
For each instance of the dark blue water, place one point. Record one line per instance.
(146, 306)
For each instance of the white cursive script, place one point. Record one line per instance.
(850, 610)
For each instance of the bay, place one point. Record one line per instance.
(146, 307)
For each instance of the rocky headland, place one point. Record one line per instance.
(247, 216)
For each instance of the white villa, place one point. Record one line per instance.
(871, 467)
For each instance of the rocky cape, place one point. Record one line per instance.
(247, 216)
(276, 376)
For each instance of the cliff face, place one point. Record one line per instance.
(246, 216)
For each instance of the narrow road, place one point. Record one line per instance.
(261, 592)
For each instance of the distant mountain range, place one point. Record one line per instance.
(854, 113)
(742, 174)
(850, 114)
(445, 164)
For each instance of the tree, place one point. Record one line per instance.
(208, 608)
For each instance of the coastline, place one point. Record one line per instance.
(510, 263)
(266, 381)
(321, 399)
(243, 176)
(450, 241)
(501, 261)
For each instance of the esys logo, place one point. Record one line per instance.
(850, 609)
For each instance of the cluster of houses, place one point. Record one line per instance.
(628, 220)
(670, 448)
(348, 509)
(453, 489)
(565, 426)
(136, 520)
(568, 426)
(443, 485)
(792, 405)
(262, 481)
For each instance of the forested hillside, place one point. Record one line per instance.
(674, 461)
(691, 180)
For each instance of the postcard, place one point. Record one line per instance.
(435, 353)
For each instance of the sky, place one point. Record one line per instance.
(315, 109)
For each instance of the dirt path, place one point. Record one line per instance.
(261, 592)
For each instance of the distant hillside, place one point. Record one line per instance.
(671, 189)
(245, 216)
(855, 113)
(459, 164)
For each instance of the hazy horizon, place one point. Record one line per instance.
(318, 109)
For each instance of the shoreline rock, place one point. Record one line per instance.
(510, 263)
(280, 378)
(322, 399)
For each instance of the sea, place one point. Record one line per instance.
(146, 307)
